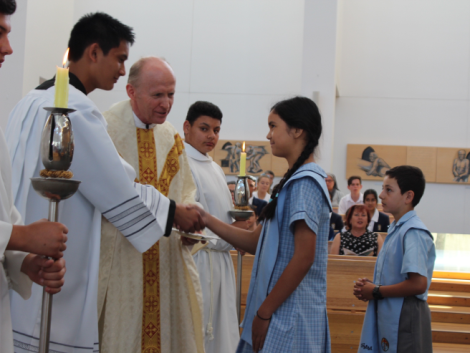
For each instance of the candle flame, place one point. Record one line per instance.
(66, 57)
(243, 148)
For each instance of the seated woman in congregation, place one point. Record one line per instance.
(357, 239)
(379, 221)
(263, 183)
(333, 190)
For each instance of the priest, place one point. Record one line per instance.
(201, 133)
(151, 300)
(99, 46)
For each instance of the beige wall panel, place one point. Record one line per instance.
(370, 162)
(446, 158)
(227, 155)
(424, 158)
(279, 166)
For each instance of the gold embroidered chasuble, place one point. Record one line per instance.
(149, 302)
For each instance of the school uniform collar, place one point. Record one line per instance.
(361, 198)
(406, 217)
(375, 217)
(195, 154)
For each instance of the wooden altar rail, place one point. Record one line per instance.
(449, 300)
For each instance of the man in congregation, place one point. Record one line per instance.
(165, 275)
(99, 46)
(355, 197)
(21, 246)
(201, 133)
(254, 201)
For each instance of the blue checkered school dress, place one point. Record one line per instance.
(300, 324)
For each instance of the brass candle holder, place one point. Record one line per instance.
(57, 148)
(241, 212)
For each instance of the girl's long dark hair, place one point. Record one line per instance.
(301, 113)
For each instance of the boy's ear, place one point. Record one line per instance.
(186, 126)
(410, 195)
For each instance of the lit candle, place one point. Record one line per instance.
(62, 84)
(243, 161)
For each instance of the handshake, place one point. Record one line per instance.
(189, 218)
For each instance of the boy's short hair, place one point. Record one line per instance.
(201, 108)
(354, 177)
(409, 178)
(98, 28)
(231, 183)
(270, 173)
(7, 7)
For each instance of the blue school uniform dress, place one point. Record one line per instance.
(300, 324)
(409, 247)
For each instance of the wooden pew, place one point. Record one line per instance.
(342, 274)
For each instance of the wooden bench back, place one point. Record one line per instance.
(342, 273)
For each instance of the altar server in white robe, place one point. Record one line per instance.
(19, 268)
(99, 46)
(214, 263)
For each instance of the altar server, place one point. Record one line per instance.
(18, 267)
(165, 275)
(398, 319)
(99, 46)
(286, 303)
(201, 133)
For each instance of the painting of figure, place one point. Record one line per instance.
(232, 160)
(460, 167)
(376, 166)
(254, 154)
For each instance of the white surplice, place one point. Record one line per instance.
(214, 262)
(107, 188)
(11, 276)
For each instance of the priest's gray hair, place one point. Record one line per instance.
(136, 69)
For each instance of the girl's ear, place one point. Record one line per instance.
(296, 132)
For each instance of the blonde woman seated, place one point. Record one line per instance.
(263, 184)
(357, 239)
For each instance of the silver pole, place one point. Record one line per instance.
(45, 331)
(239, 285)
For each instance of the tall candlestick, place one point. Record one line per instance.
(243, 161)
(61, 98)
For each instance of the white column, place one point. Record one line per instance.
(318, 69)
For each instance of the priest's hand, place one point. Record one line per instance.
(188, 219)
(48, 273)
(188, 241)
(41, 237)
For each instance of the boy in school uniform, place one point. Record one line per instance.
(397, 317)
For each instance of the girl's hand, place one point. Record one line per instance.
(259, 332)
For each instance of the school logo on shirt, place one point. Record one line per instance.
(384, 344)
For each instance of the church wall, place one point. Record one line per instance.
(403, 79)
(11, 72)
(241, 55)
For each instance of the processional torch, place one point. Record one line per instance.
(55, 183)
(241, 212)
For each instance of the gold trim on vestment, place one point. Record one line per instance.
(151, 338)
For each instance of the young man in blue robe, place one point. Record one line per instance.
(397, 295)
